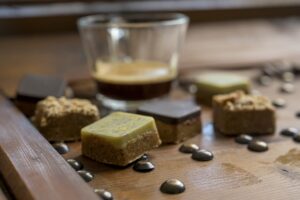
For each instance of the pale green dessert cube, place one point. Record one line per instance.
(210, 84)
(119, 138)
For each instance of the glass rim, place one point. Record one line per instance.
(139, 20)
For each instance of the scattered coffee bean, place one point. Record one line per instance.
(258, 146)
(143, 166)
(172, 186)
(288, 76)
(202, 155)
(289, 132)
(104, 194)
(298, 114)
(61, 147)
(243, 139)
(144, 157)
(269, 70)
(296, 69)
(296, 138)
(188, 148)
(87, 176)
(76, 165)
(264, 80)
(287, 88)
(279, 103)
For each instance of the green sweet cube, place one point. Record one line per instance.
(120, 138)
(210, 84)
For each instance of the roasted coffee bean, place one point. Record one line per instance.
(188, 148)
(144, 157)
(288, 76)
(202, 155)
(264, 80)
(104, 194)
(143, 166)
(243, 139)
(87, 176)
(296, 138)
(61, 147)
(172, 186)
(279, 103)
(287, 88)
(76, 165)
(258, 146)
(289, 132)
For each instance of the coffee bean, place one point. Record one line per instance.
(258, 146)
(76, 165)
(87, 176)
(144, 157)
(279, 103)
(143, 166)
(287, 88)
(172, 186)
(289, 132)
(61, 147)
(288, 76)
(243, 139)
(296, 138)
(104, 194)
(298, 114)
(202, 155)
(264, 80)
(188, 148)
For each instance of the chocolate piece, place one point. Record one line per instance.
(120, 138)
(33, 88)
(296, 138)
(243, 139)
(143, 166)
(61, 147)
(188, 148)
(258, 146)
(287, 88)
(172, 186)
(290, 132)
(62, 119)
(87, 176)
(211, 84)
(238, 113)
(202, 155)
(104, 194)
(76, 165)
(279, 103)
(176, 120)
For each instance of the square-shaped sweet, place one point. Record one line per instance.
(33, 88)
(61, 119)
(238, 113)
(210, 84)
(176, 120)
(119, 138)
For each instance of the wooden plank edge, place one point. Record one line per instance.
(31, 167)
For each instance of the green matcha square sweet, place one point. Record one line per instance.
(210, 84)
(120, 138)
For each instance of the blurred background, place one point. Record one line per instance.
(40, 36)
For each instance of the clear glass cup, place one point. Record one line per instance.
(133, 57)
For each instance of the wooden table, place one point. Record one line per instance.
(235, 172)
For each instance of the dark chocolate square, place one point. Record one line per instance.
(34, 88)
(170, 111)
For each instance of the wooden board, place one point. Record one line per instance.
(235, 172)
(30, 166)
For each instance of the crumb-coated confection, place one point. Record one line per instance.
(210, 84)
(61, 119)
(176, 120)
(119, 138)
(238, 113)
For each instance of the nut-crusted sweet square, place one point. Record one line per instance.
(61, 119)
(120, 138)
(238, 113)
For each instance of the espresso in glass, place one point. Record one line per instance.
(134, 80)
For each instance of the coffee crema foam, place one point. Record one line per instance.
(134, 72)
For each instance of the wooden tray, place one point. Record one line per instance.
(32, 169)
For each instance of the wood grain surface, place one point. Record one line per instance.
(235, 173)
(30, 166)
